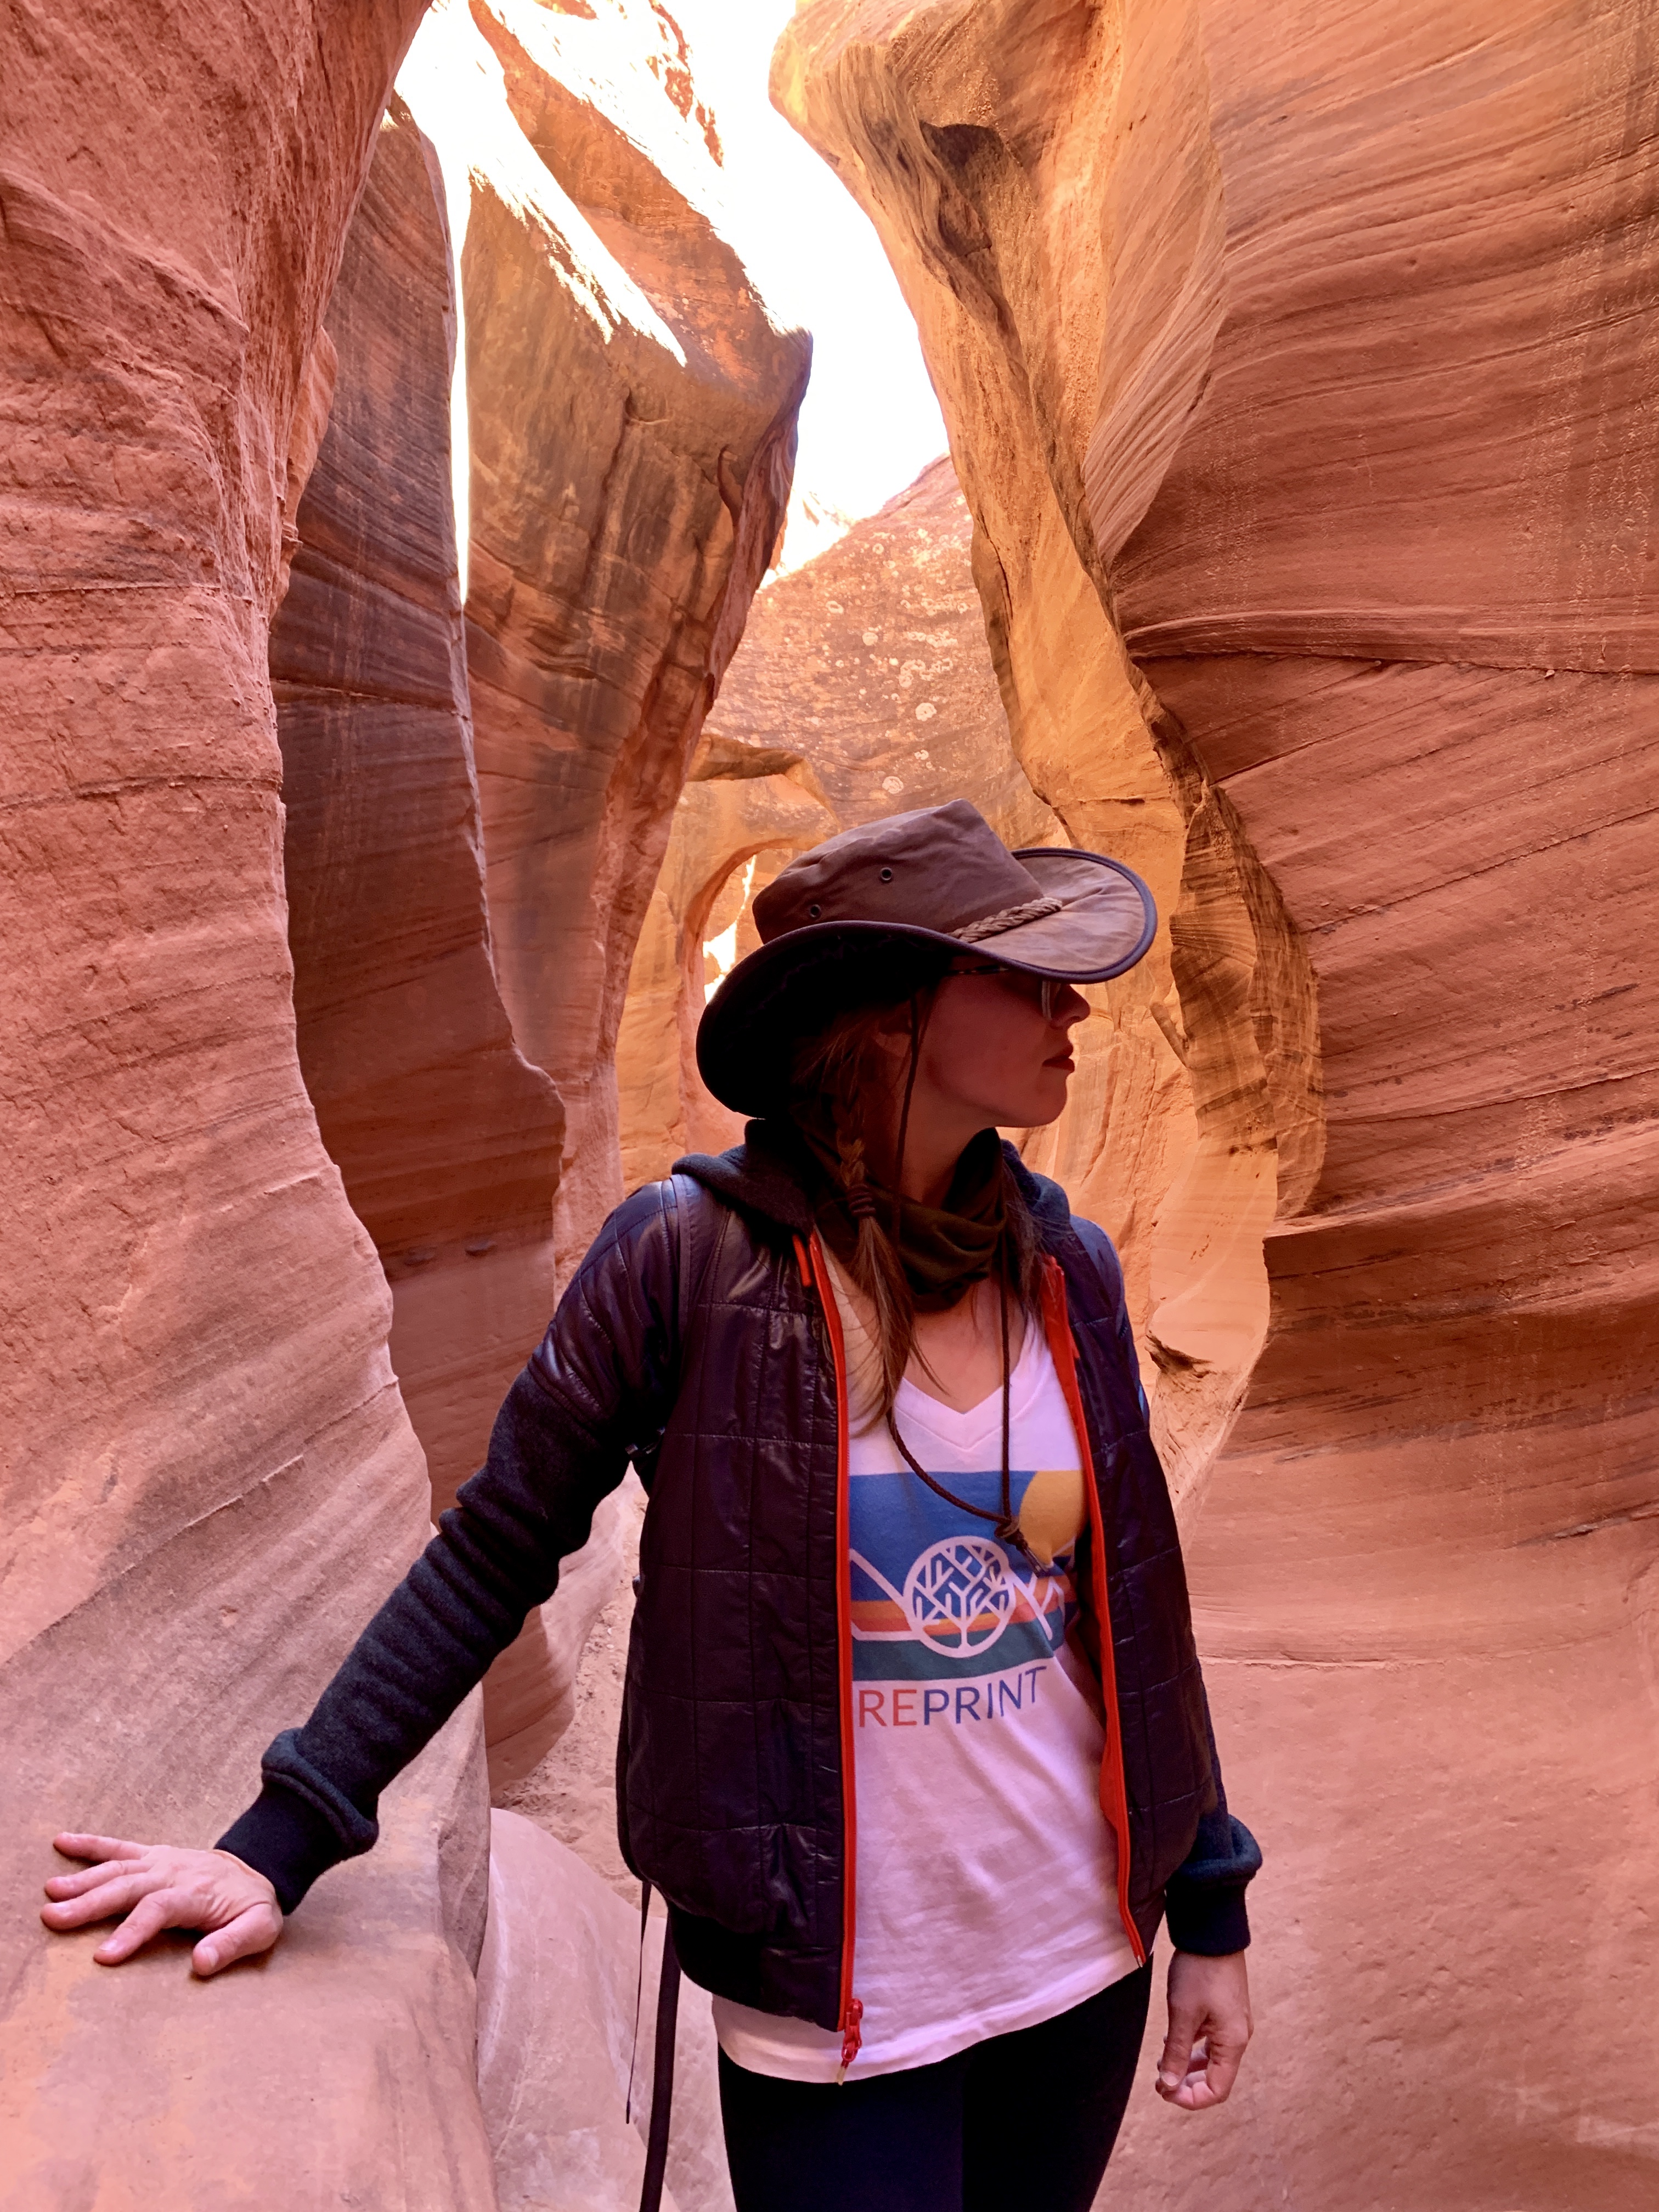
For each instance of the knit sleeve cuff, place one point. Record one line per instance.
(1209, 1919)
(287, 1840)
(1204, 1904)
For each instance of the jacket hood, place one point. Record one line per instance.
(767, 1178)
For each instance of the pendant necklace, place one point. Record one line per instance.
(1007, 1523)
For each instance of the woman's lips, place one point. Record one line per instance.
(1062, 1060)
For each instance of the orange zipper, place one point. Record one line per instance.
(817, 1274)
(1114, 1796)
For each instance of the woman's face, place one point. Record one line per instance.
(990, 1055)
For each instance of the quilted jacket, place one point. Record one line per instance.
(698, 1340)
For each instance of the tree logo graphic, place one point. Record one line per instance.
(959, 1595)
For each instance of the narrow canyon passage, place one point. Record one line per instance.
(409, 683)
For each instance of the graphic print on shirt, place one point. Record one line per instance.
(938, 1597)
(987, 1875)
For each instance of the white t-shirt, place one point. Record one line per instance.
(986, 1872)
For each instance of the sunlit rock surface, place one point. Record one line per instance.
(211, 1480)
(448, 1139)
(1300, 375)
(632, 413)
(863, 687)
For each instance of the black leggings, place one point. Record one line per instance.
(1026, 2119)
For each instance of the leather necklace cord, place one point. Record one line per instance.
(904, 1118)
(1007, 1523)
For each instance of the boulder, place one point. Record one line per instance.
(1300, 374)
(871, 661)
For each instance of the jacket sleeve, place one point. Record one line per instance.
(593, 1395)
(1204, 1903)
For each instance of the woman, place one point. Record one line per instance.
(914, 1741)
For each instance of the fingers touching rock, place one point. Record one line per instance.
(150, 1886)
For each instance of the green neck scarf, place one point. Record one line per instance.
(945, 1249)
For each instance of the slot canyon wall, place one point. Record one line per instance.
(286, 1147)
(448, 1140)
(210, 1479)
(479, 795)
(1297, 371)
(862, 686)
(632, 409)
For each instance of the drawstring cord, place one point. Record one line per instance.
(662, 2060)
(639, 1998)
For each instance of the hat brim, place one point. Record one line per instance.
(1106, 922)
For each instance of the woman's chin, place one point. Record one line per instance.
(1046, 1103)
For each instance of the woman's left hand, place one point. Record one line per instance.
(1210, 2025)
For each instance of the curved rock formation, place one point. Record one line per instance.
(211, 1478)
(1303, 367)
(862, 686)
(567, 2023)
(632, 413)
(448, 1139)
(741, 804)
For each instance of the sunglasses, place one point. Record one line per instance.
(1050, 986)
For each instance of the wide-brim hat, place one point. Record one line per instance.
(839, 920)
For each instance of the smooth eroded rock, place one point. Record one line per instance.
(1306, 367)
(210, 1480)
(631, 407)
(566, 2022)
(448, 1139)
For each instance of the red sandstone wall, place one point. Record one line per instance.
(632, 410)
(448, 1139)
(209, 1478)
(1298, 369)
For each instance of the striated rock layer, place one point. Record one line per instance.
(631, 409)
(211, 1480)
(448, 1140)
(1298, 372)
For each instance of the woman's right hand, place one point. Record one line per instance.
(150, 1886)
